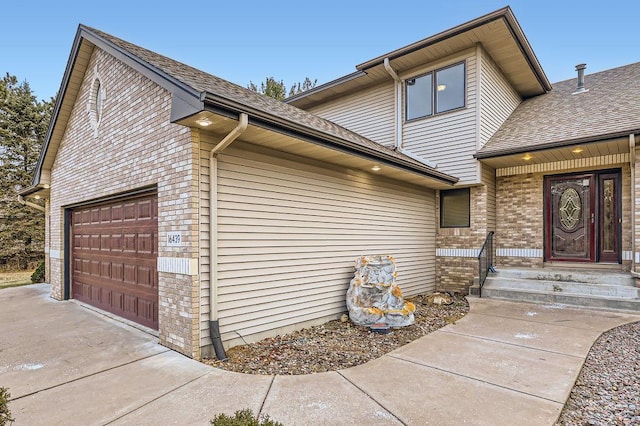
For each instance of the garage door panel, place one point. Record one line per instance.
(114, 258)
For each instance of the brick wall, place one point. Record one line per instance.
(520, 219)
(136, 146)
(456, 272)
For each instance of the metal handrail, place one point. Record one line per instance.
(485, 261)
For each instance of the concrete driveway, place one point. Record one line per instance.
(504, 362)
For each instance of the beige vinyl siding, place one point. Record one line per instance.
(369, 113)
(489, 180)
(449, 139)
(289, 230)
(497, 99)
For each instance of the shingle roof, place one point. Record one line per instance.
(201, 81)
(610, 107)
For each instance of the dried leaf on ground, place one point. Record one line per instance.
(336, 344)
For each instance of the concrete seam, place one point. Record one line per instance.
(156, 398)
(560, 325)
(520, 346)
(474, 379)
(89, 375)
(372, 398)
(266, 395)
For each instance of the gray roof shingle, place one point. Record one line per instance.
(204, 82)
(611, 106)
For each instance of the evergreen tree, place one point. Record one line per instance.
(23, 126)
(277, 90)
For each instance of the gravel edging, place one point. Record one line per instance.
(607, 391)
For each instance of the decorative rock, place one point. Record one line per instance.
(437, 299)
(373, 295)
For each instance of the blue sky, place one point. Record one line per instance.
(291, 40)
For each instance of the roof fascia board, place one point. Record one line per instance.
(557, 144)
(149, 71)
(258, 118)
(189, 97)
(56, 109)
(505, 14)
(326, 86)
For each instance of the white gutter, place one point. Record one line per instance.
(214, 329)
(394, 75)
(30, 204)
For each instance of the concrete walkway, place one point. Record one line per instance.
(504, 363)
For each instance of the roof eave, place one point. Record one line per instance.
(187, 94)
(325, 86)
(555, 144)
(505, 13)
(261, 119)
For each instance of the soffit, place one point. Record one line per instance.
(564, 153)
(498, 33)
(256, 135)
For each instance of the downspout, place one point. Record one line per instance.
(214, 325)
(394, 75)
(398, 138)
(30, 204)
(632, 164)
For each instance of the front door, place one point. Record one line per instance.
(582, 217)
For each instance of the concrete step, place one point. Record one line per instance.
(587, 301)
(592, 276)
(567, 287)
(588, 288)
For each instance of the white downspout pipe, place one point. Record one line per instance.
(214, 325)
(398, 101)
(30, 204)
(394, 75)
(632, 164)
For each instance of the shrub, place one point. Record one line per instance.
(5, 414)
(38, 275)
(243, 418)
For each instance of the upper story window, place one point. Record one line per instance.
(435, 92)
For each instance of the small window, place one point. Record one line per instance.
(419, 95)
(455, 208)
(450, 88)
(438, 91)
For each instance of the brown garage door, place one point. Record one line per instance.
(114, 257)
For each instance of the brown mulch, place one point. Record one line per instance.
(337, 344)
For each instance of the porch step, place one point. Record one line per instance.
(587, 288)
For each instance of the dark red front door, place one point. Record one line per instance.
(582, 217)
(114, 258)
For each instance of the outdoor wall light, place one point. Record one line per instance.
(204, 122)
(527, 157)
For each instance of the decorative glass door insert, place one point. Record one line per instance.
(570, 214)
(582, 217)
